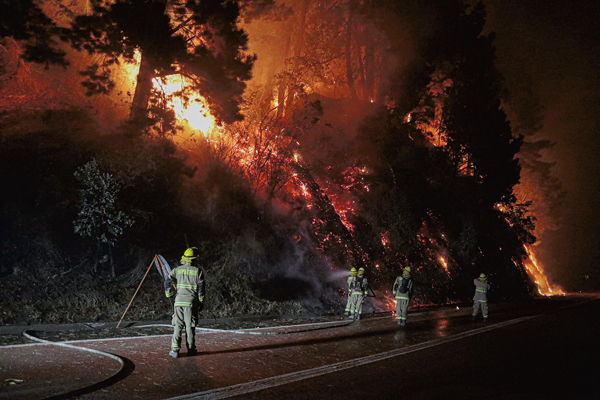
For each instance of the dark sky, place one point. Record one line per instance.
(556, 43)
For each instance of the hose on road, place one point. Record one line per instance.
(250, 332)
(126, 368)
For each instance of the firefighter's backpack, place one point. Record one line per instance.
(404, 285)
(357, 285)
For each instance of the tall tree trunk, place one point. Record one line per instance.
(95, 267)
(298, 33)
(361, 66)
(369, 60)
(349, 72)
(110, 259)
(281, 88)
(143, 89)
(296, 50)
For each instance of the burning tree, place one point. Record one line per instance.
(439, 157)
(426, 180)
(199, 40)
(429, 179)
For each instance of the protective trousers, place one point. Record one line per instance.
(480, 304)
(184, 317)
(401, 309)
(354, 305)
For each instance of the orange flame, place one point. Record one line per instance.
(443, 262)
(389, 303)
(194, 110)
(536, 271)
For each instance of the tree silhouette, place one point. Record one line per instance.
(98, 215)
(26, 22)
(199, 40)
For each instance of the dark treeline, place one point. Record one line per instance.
(85, 205)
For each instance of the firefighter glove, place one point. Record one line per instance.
(167, 283)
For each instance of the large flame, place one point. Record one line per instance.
(193, 110)
(536, 271)
(190, 108)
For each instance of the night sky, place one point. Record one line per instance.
(557, 45)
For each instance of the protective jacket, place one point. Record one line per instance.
(403, 282)
(481, 289)
(480, 298)
(357, 285)
(189, 283)
(357, 292)
(402, 290)
(189, 298)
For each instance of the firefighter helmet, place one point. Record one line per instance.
(361, 271)
(353, 271)
(482, 276)
(190, 253)
(407, 269)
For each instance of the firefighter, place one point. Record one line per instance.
(351, 279)
(480, 297)
(186, 283)
(402, 290)
(357, 291)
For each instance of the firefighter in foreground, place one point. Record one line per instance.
(402, 290)
(357, 291)
(186, 282)
(480, 298)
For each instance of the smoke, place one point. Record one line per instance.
(559, 50)
(337, 275)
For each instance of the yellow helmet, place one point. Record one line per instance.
(407, 269)
(361, 271)
(482, 276)
(190, 253)
(353, 271)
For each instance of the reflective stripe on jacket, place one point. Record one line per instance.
(481, 289)
(398, 284)
(189, 283)
(357, 286)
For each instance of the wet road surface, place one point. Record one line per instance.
(524, 348)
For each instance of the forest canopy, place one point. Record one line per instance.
(340, 134)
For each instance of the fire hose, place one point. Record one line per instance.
(127, 367)
(125, 370)
(249, 332)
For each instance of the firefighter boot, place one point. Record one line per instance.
(484, 320)
(403, 322)
(357, 317)
(174, 353)
(192, 352)
(351, 316)
(347, 313)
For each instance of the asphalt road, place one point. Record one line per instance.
(554, 355)
(546, 349)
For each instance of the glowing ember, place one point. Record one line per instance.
(539, 276)
(194, 110)
(389, 302)
(443, 262)
(385, 240)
